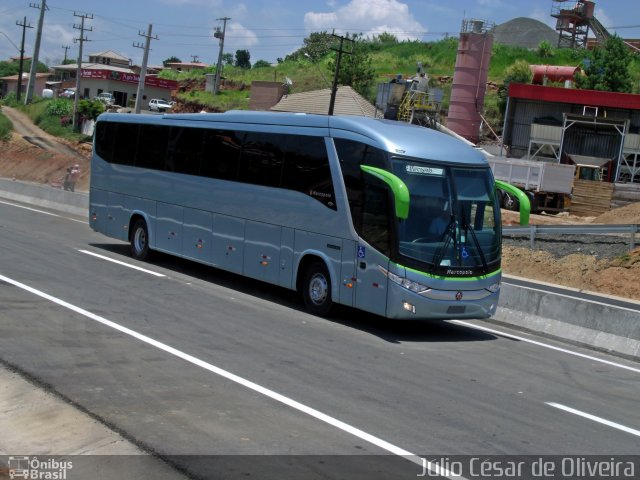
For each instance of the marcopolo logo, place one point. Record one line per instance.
(33, 468)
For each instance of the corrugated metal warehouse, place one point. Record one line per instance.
(554, 123)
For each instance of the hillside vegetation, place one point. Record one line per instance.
(387, 59)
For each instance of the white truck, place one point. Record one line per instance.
(547, 184)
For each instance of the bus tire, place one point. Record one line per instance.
(316, 289)
(140, 240)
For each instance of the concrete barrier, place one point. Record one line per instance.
(597, 325)
(604, 327)
(76, 203)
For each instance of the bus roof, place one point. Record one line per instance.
(395, 137)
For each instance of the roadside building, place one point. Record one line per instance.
(347, 102)
(111, 72)
(559, 124)
(186, 66)
(10, 84)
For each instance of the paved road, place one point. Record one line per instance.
(186, 360)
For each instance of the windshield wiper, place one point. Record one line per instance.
(468, 228)
(450, 234)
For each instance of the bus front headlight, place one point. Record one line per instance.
(415, 287)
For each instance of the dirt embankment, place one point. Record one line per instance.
(46, 163)
(34, 155)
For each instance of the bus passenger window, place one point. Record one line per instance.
(221, 154)
(152, 146)
(262, 158)
(306, 169)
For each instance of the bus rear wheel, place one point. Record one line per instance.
(316, 289)
(140, 240)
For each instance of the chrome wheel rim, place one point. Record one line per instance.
(318, 289)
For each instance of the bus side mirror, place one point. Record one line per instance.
(397, 186)
(523, 200)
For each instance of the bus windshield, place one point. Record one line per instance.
(453, 225)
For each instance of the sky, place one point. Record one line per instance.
(269, 29)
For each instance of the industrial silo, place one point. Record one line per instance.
(470, 79)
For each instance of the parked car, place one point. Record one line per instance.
(68, 93)
(159, 105)
(106, 97)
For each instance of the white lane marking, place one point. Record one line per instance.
(423, 463)
(586, 300)
(122, 263)
(632, 431)
(28, 208)
(546, 345)
(42, 211)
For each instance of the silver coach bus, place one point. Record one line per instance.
(393, 219)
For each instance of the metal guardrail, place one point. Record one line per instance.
(535, 230)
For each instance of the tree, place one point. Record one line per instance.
(243, 59)
(519, 72)
(227, 58)
(545, 49)
(317, 45)
(261, 64)
(607, 68)
(355, 68)
(385, 38)
(169, 60)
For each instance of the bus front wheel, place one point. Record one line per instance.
(140, 240)
(316, 289)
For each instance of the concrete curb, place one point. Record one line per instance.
(76, 203)
(612, 329)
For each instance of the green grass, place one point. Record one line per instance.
(51, 124)
(6, 127)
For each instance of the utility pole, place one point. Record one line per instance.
(143, 70)
(81, 41)
(66, 49)
(220, 35)
(194, 58)
(334, 88)
(21, 70)
(36, 52)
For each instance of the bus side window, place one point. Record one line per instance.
(125, 144)
(306, 169)
(262, 159)
(105, 140)
(152, 146)
(375, 215)
(184, 150)
(221, 154)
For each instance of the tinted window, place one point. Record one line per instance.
(375, 214)
(307, 169)
(221, 154)
(184, 150)
(367, 196)
(152, 146)
(105, 140)
(262, 159)
(124, 147)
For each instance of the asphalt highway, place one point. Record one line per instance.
(186, 360)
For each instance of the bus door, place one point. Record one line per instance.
(373, 249)
(371, 286)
